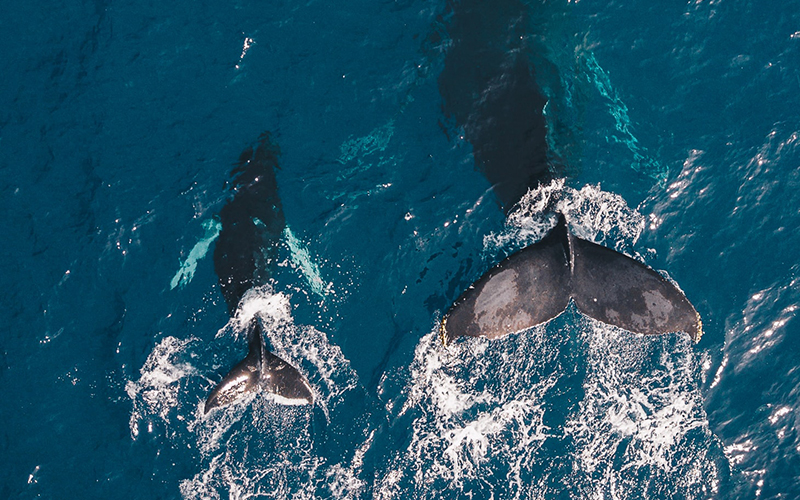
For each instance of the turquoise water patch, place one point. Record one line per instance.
(301, 259)
(186, 272)
(377, 140)
(642, 161)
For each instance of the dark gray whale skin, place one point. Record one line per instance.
(489, 89)
(245, 252)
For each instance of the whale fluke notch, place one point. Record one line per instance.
(500, 301)
(260, 370)
(534, 285)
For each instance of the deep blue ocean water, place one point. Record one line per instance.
(120, 123)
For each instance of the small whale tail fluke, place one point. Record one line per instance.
(535, 285)
(260, 370)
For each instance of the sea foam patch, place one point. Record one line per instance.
(593, 214)
(642, 412)
(155, 395)
(262, 446)
(476, 412)
(572, 407)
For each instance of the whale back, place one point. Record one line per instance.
(489, 89)
(252, 224)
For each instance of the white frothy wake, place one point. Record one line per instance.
(475, 418)
(593, 214)
(573, 408)
(592, 412)
(155, 395)
(641, 430)
(307, 348)
(259, 447)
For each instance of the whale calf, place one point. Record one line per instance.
(489, 89)
(244, 256)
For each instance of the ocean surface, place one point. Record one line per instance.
(120, 122)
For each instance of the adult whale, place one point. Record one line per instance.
(245, 253)
(488, 87)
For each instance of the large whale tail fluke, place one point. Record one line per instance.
(260, 370)
(535, 285)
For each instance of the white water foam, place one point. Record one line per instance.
(641, 430)
(593, 214)
(476, 412)
(323, 363)
(590, 411)
(156, 394)
(261, 448)
(573, 408)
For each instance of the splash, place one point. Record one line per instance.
(572, 408)
(476, 415)
(593, 214)
(156, 394)
(259, 447)
(586, 410)
(641, 430)
(186, 272)
(306, 347)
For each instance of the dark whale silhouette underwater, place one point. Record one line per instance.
(489, 90)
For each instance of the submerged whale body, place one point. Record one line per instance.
(489, 89)
(246, 250)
